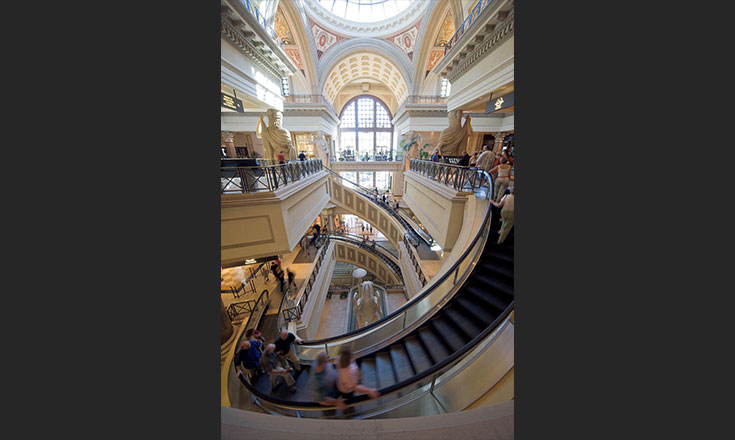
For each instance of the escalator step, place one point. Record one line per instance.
(463, 320)
(384, 367)
(367, 368)
(401, 364)
(436, 348)
(420, 359)
(498, 255)
(501, 271)
(483, 314)
(493, 283)
(494, 303)
(453, 336)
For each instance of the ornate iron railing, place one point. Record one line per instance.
(246, 286)
(458, 177)
(290, 313)
(266, 176)
(471, 18)
(238, 310)
(426, 99)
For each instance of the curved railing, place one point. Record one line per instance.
(462, 28)
(370, 195)
(461, 178)
(421, 307)
(359, 238)
(259, 175)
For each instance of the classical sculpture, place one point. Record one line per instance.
(453, 139)
(275, 138)
(366, 305)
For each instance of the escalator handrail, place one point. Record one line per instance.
(395, 268)
(361, 243)
(428, 291)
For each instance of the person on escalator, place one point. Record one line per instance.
(269, 362)
(248, 357)
(507, 214)
(323, 382)
(285, 352)
(348, 377)
(503, 179)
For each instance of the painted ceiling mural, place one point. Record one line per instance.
(284, 33)
(407, 40)
(323, 39)
(446, 31)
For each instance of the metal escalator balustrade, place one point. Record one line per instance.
(431, 335)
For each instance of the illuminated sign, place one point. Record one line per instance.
(232, 103)
(499, 103)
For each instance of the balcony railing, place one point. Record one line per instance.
(262, 21)
(474, 13)
(308, 99)
(414, 261)
(458, 177)
(263, 175)
(426, 99)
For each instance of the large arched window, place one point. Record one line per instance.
(366, 132)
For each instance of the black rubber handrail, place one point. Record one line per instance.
(428, 291)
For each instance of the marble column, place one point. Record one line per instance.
(230, 145)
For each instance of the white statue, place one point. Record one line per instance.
(453, 139)
(366, 305)
(275, 138)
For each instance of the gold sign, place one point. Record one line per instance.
(498, 103)
(232, 103)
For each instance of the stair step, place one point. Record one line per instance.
(492, 283)
(436, 347)
(386, 377)
(369, 375)
(449, 332)
(420, 358)
(498, 255)
(401, 363)
(501, 272)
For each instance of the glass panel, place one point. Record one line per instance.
(365, 148)
(382, 144)
(382, 116)
(366, 179)
(346, 149)
(349, 175)
(383, 180)
(365, 112)
(348, 117)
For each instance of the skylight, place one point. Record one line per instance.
(365, 11)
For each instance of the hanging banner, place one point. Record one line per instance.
(232, 103)
(499, 103)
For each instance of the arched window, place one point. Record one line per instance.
(366, 132)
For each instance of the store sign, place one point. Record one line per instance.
(232, 103)
(499, 103)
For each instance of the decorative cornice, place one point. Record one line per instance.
(375, 29)
(246, 46)
(499, 35)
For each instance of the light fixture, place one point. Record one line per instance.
(250, 261)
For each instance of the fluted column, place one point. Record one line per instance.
(230, 145)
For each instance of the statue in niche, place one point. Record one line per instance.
(453, 139)
(366, 305)
(275, 138)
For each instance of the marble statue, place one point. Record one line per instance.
(453, 139)
(275, 138)
(366, 305)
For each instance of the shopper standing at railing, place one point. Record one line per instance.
(465, 160)
(285, 351)
(486, 159)
(281, 158)
(473, 160)
(507, 214)
(503, 179)
(302, 156)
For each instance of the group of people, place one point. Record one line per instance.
(281, 275)
(386, 199)
(330, 383)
